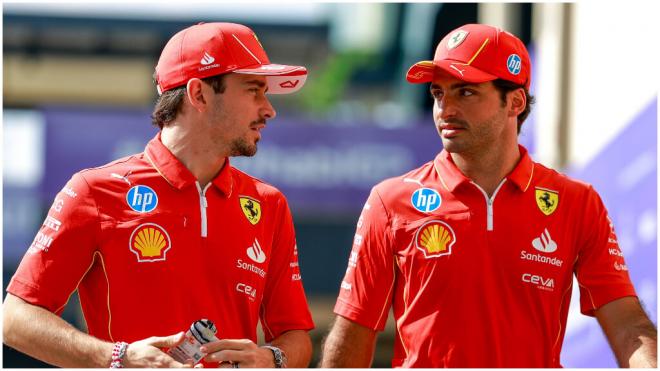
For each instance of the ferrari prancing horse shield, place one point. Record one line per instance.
(547, 200)
(251, 208)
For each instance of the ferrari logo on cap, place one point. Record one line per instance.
(547, 200)
(251, 208)
(456, 39)
(149, 242)
(434, 239)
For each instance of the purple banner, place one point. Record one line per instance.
(321, 169)
(331, 169)
(78, 138)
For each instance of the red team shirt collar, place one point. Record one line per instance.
(451, 177)
(176, 174)
(523, 172)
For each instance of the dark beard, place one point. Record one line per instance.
(240, 147)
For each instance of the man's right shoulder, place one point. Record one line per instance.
(118, 169)
(392, 189)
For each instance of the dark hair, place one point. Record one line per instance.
(504, 87)
(168, 105)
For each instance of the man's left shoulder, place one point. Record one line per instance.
(546, 177)
(252, 186)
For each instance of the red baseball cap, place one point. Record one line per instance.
(209, 49)
(477, 53)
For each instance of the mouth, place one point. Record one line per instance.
(258, 125)
(450, 130)
(258, 128)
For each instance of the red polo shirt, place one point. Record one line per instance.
(478, 281)
(150, 252)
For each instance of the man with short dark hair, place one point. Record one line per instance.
(158, 240)
(475, 251)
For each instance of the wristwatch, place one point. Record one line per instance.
(278, 355)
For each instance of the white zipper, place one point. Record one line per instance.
(203, 204)
(489, 203)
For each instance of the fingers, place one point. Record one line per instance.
(165, 341)
(228, 344)
(140, 354)
(225, 351)
(239, 352)
(239, 356)
(148, 352)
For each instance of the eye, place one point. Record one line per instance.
(436, 93)
(467, 92)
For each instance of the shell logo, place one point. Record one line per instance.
(149, 242)
(435, 238)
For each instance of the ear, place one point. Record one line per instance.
(195, 94)
(517, 102)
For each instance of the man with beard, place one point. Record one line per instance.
(476, 251)
(158, 240)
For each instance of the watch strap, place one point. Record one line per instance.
(278, 355)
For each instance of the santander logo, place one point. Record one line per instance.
(207, 59)
(255, 252)
(545, 243)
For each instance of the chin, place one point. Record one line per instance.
(452, 146)
(248, 152)
(243, 148)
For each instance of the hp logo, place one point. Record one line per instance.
(142, 199)
(514, 64)
(426, 200)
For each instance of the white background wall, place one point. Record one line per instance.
(616, 61)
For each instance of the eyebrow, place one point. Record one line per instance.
(458, 85)
(259, 83)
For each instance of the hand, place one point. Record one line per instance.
(146, 353)
(244, 352)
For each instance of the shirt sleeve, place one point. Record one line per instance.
(284, 305)
(600, 269)
(365, 294)
(62, 250)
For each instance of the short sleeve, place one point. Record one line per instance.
(365, 293)
(600, 269)
(284, 306)
(62, 250)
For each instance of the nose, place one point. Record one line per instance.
(444, 108)
(267, 110)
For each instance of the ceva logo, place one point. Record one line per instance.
(250, 291)
(539, 281)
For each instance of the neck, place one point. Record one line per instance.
(487, 170)
(194, 152)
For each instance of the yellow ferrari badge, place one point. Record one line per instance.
(251, 208)
(547, 200)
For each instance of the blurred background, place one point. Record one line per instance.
(78, 91)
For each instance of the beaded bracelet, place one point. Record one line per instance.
(118, 353)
